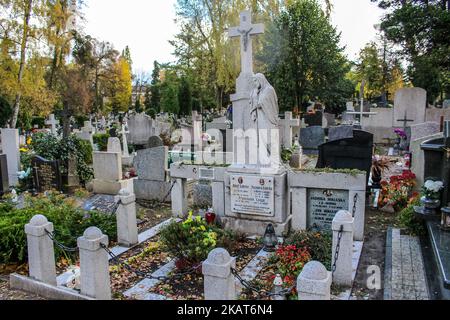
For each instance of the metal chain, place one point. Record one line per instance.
(59, 244)
(147, 275)
(338, 248)
(355, 201)
(259, 292)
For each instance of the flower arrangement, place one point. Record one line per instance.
(191, 240)
(431, 189)
(289, 261)
(400, 133)
(396, 192)
(206, 137)
(380, 163)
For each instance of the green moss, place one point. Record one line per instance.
(352, 172)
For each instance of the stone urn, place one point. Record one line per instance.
(430, 205)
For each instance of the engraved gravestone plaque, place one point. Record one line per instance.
(252, 195)
(46, 174)
(323, 205)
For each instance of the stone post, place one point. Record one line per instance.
(127, 230)
(94, 265)
(219, 282)
(314, 282)
(179, 198)
(343, 273)
(41, 253)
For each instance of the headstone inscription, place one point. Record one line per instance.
(4, 181)
(252, 195)
(351, 153)
(323, 205)
(46, 174)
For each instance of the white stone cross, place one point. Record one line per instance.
(361, 111)
(287, 124)
(245, 30)
(53, 123)
(88, 127)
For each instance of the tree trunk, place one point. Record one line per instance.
(66, 120)
(23, 48)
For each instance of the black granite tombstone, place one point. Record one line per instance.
(314, 119)
(4, 180)
(350, 153)
(437, 164)
(46, 174)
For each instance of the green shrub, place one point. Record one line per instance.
(151, 113)
(38, 121)
(408, 220)
(69, 222)
(193, 239)
(52, 148)
(319, 244)
(101, 139)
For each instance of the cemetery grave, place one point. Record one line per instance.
(266, 199)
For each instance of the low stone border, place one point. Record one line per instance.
(24, 283)
(118, 250)
(140, 290)
(252, 269)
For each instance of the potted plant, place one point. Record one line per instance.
(379, 166)
(431, 192)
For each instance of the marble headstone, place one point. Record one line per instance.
(154, 142)
(152, 164)
(410, 103)
(311, 138)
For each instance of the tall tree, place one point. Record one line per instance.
(75, 94)
(155, 97)
(23, 10)
(185, 96)
(120, 87)
(420, 29)
(303, 57)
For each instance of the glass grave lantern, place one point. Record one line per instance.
(445, 219)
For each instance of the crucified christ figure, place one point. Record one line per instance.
(245, 34)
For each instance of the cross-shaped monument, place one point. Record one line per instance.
(361, 111)
(241, 99)
(405, 120)
(245, 30)
(287, 124)
(53, 123)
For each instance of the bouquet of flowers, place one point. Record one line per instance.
(400, 133)
(431, 189)
(396, 193)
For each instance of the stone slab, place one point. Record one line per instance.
(107, 166)
(152, 164)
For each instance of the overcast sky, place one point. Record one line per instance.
(147, 25)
